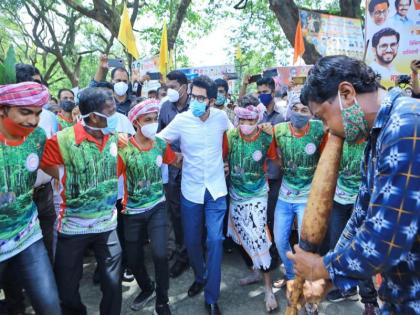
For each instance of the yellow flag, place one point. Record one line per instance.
(126, 35)
(163, 56)
(238, 53)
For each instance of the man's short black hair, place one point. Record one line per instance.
(205, 82)
(323, 79)
(178, 76)
(397, 3)
(374, 3)
(387, 31)
(25, 72)
(267, 81)
(93, 100)
(222, 83)
(152, 92)
(63, 90)
(119, 69)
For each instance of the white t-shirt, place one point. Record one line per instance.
(201, 147)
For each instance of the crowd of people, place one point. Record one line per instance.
(186, 169)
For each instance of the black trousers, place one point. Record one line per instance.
(44, 200)
(155, 223)
(273, 195)
(69, 270)
(173, 199)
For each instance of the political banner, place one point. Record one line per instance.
(214, 72)
(333, 35)
(146, 65)
(393, 37)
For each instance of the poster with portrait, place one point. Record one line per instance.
(393, 37)
(214, 72)
(333, 35)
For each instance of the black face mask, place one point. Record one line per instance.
(67, 106)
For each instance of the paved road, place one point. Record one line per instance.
(234, 300)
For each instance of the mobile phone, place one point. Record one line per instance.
(154, 75)
(116, 63)
(270, 73)
(232, 76)
(254, 78)
(299, 80)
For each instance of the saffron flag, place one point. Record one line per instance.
(163, 56)
(299, 43)
(126, 35)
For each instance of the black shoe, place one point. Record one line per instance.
(143, 298)
(213, 309)
(195, 289)
(128, 276)
(337, 296)
(163, 309)
(177, 269)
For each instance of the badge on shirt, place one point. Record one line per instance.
(159, 160)
(113, 149)
(310, 148)
(32, 162)
(257, 155)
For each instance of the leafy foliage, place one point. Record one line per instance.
(7, 68)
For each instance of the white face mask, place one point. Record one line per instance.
(120, 88)
(173, 95)
(247, 129)
(149, 130)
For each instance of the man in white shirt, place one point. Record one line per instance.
(201, 132)
(385, 48)
(400, 19)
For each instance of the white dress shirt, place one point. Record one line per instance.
(201, 147)
(47, 121)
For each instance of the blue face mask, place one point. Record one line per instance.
(298, 120)
(111, 123)
(198, 108)
(220, 100)
(265, 98)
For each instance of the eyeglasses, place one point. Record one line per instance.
(393, 46)
(380, 12)
(199, 98)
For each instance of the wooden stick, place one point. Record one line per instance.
(318, 209)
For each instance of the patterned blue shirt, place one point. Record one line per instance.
(382, 233)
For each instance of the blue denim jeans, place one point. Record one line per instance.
(193, 216)
(33, 268)
(283, 220)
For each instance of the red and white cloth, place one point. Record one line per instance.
(24, 94)
(249, 112)
(142, 108)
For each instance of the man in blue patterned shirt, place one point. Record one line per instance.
(382, 234)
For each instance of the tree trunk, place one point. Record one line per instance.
(350, 8)
(175, 26)
(287, 14)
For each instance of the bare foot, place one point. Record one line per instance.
(253, 277)
(270, 301)
(279, 283)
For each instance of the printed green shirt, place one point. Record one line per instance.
(63, 123)
(300, 157)
(142, 175)
(247, 163)
(19, 225)
(349, 177)
(88, 175)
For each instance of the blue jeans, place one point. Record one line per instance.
(193, 214)
(33, 268)
(283, 220)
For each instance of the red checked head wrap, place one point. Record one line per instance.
(24, 94)
(249, 112)
(142, 108)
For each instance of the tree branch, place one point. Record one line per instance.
(175, 26)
